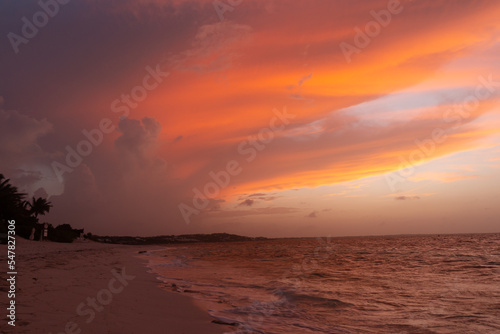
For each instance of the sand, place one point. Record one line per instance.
(89, 287)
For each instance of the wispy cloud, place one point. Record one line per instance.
(313, 214)
(442, 177)
(406, 198)
(247, 202)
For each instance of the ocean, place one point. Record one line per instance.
(384, 284)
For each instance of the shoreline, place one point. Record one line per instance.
(88, 287)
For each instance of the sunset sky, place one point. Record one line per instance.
(318, 117)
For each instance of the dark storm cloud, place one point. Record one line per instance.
(137, 134)
(20, 133)
(86, 47)
(63, 81)
(21, 153)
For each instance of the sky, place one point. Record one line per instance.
(263, 118)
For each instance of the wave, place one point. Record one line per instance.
(367, 287)
(295, 297)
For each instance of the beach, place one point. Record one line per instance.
(88, 287)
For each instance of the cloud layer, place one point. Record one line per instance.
(423, 87)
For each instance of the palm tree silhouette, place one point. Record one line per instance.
(13, 206)
(38, 206)
(11, 199)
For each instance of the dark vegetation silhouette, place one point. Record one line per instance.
(38, 206)
(13, 206)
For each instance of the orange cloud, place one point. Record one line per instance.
(441, 177)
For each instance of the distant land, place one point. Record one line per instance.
(172, 239)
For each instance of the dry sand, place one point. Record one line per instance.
(57, 285)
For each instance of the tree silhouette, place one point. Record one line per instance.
(13, 207)
(38, 206)
(11, 200)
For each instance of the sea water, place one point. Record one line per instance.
(393, 284)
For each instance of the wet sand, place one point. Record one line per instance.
(89, 287)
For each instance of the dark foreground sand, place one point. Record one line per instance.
(89, 287)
